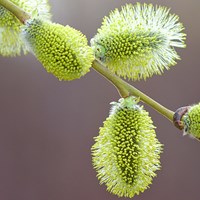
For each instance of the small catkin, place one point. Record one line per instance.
(139, 40)
(11, 43)
(126, 152)
(191, 121)
(62, 50)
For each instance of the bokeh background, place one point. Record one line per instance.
(47, 126)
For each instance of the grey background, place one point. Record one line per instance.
(47, 126)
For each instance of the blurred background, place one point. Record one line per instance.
(47, 126)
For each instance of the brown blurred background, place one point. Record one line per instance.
(47, 126)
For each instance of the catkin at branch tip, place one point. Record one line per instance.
(191, 121)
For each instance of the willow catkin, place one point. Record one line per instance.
(126, 153)
(11, 43)
(191, 121)
(62, 50)
(139, 40)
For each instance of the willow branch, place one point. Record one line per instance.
(15, 10)
(125, 89)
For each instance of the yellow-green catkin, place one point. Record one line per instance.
(139, 40)
(191, 121)
(126, 153)
(11, 43)
(62, 50)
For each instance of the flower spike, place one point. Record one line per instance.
(139, 40)
(191, 121)
(11, 43)
(62, 50)
(126, 153)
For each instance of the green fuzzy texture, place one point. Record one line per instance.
(62, 50)
(191, 121)
(139, 40)
(11, 43)
(126, 152)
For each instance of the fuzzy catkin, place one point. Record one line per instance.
(191, 121)
(126, 152)
(11, 43)
(62, 50)
(139, 40)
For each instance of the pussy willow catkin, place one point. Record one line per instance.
(11, 43)
(126, 153)
(191, 121)
(139, 40)
(62, 50)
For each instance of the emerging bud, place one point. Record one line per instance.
(126, 153)
(62, 50)
(191, 121)
(139, 41)
(11, 44)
